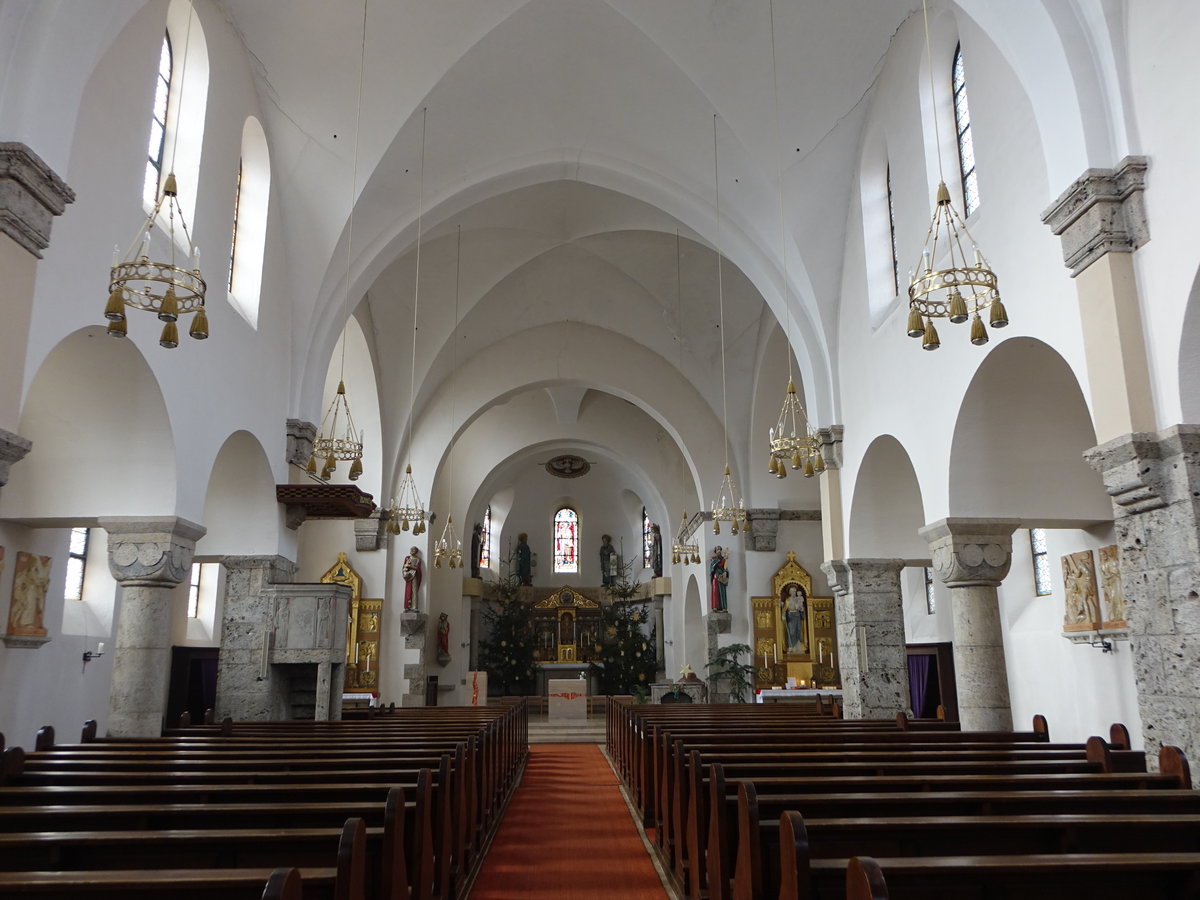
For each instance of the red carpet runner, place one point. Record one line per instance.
(567, 835)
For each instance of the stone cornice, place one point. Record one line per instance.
(843, 573)
(1101, 212)
(31, 195)
(830, 439)
(1148, 471)
(300, 438)
(13, 448)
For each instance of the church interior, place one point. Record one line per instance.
(856, 342)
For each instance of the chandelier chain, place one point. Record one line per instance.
(720, 293)
(412, 383)
(787, 310)
(937, 133)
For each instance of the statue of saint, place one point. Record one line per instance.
(411, 573)
(795, 613)
(476, 549)
(718, 577)
(608, 561)
(524, 560)
(656, 551)
(443, 639)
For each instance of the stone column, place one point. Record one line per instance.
(971, 557)
(1101, 219)
(413, 628)
(31, 195)
(148, 558)
(245, 687)
(1154, 482)
(870, 626)
(717, 622)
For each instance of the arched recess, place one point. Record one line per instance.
(352, 362)
(1189, 357)
(240, 510)
(252, 200)
(887, 509)
(1019, 441)
(102, 441)
(694, 636)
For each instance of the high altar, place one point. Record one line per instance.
(566, 627)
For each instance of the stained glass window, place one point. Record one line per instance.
(966, 146)
(1041, 562)
(194, 591)
(566, 540)
(485, 539)
(76, 563)
(892, 229)
(647, 541)
(158, 123)
(930, 598)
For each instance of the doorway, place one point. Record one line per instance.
(931, 680)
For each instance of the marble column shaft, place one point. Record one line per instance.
(971, 557)
(148, 558)
(870, 626)
(1154, 482)
(248, 611)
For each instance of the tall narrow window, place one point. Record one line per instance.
(485, 539)
(930, 598)
(566, 540)
(647, 541)
(237, 209)
(194, 591)
(966, 146)
(1041, 562)
(156, 148)
(892, 230)
(76, 563)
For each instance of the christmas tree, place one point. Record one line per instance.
(507, 651)
(627, 661)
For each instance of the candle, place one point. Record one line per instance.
(775, 653)
(821, 651)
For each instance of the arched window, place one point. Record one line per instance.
(892, 230)
(962, 124)
(566, 540)
(647, 541)
(251, 199)
(77, 551)
(158, 123)
(485, 540)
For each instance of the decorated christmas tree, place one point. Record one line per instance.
(626, 655)
(507, 651)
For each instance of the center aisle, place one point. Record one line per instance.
(567, 835)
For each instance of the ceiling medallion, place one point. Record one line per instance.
(568, 466)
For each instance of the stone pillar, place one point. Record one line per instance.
(717, 622)
(870, 626)
(413, 628)
(1154, 482)
(300, 438)
(660, 645)
(971, 557)
(832, 519)
(244, 676)
(1101, 219)
(31, 195)
(148, 558)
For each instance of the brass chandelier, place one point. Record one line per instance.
(407, 510)
(448, 546)
(792, 441)
(963, 288)
(168, 289)
(728, 506)
(328, 445)
(683, 549)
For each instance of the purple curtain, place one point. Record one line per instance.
(918, 682)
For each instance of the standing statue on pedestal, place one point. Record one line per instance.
(443, 638)
(476, 549)
(524, 560)
(656, 551)
(608, 562)
(718, 577)
(411, 573)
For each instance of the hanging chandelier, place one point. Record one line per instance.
(406, 507)
(331, 448)
(448, 545)
(728, 507)
(168, 289)
(963, 288)
(792, 441)
(329, 445)
(683, 549)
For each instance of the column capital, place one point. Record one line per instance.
(300, 438)
(31, 195)
(846, 575)
(150, 552)
(370, 533)
(969, 552)
(1101, 212)
(830, 439)
(13, 448)
(1145, 471)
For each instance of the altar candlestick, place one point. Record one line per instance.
(775, 653)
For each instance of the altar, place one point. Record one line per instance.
(796, 695)
(568, 700)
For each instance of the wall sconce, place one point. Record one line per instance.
(1105, 645)
(88, 655)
